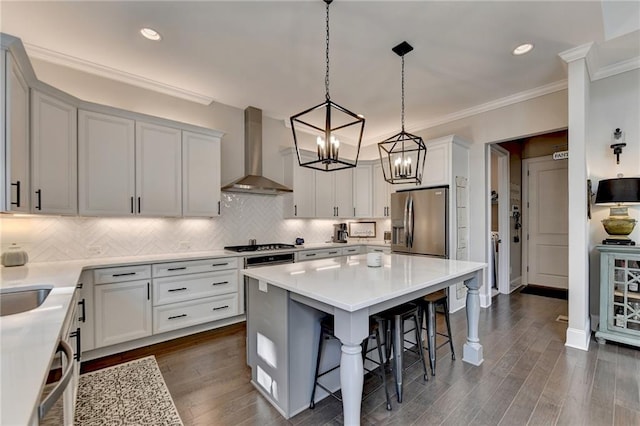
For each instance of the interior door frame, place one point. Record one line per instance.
(504, 220)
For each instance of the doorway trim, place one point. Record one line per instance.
(504, 219)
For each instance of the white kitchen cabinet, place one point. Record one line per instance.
(381, 193)
(200, 175)
(353, 250)
(86, 311)
(363, 191)
(377, 249)
(334, 194)
(301, 203)
(15, 134)
(54, 164)
(122, 300)
(318, 254)
(158, 170)
(106, 151)
(123, 312)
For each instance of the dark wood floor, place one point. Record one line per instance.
(528, 377)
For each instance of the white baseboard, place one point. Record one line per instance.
(515, 283)
(579, 339)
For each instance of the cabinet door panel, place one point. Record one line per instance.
(54, 155)
(200, 175)
(343, 192)
(437, 165)
(325, 206)
(158, 170)
(107, 164)
(363, 191)
(123, 312)
(17, 140)
(381, 193)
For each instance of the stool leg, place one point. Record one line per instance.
(431, 331)
(398, 337)
(418, 331)
(382, 372)
(446, 318)
(312, 404)
(365, 347)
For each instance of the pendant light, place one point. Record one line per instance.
(403, 154)
(324, 127)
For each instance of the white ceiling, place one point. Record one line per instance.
(271, 54)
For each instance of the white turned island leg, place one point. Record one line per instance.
(472, 350)
(351, 328)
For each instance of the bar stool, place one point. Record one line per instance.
(394, 319)
(326, 333)
(429, 303)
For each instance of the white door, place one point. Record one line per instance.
(106, 163)
(54, 155)
(200, 175)
(548, 225)
(158, 170)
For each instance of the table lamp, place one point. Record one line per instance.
(616, 192)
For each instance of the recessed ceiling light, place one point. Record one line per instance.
(522, 49)
(150, 33)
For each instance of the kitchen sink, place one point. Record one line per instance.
(17, 300)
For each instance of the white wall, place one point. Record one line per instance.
(615, 103)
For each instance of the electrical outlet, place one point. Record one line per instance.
(184, 245)
(94, 250)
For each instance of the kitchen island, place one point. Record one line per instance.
(285, 302)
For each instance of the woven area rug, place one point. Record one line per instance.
(133, 393)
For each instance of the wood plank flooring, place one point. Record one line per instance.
(528, 377)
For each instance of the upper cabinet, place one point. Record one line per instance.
(16, 182)
(301, 203)
(53, 155)
(158, 170)
(381, 193)
(200, 175)
(106, 149)
(363, 190)
(334, 194)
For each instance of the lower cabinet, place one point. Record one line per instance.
(85, 311)
(123, 312)
(198, 311)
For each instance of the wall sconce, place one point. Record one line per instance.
(615, 192)
(618, 144)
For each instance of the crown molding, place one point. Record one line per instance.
(575, 53)
(114, 74)
(617, 68)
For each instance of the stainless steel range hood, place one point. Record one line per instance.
(253, 182)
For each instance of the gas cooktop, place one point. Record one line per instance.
(260, 247)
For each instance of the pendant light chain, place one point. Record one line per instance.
(326, 76)
(402, 93)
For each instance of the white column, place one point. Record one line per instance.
(579, 330)
(472, 350)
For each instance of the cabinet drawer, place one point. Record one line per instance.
(121, 273)
(318, 254)
(193, 286)
(186, 314)
(194, 266)
(385, 250)
(350, 251)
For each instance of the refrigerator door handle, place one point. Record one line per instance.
(405, 228)
(410, 221)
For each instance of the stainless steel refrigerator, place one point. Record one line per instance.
(419, 221)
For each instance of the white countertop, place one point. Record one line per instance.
(348, 283)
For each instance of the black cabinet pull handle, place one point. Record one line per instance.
(295, 210)
(219, 264)
(138, 204)
(17, 185)
(221, 307)
(78, 345)
(83, 318)
(310, 254)
(335, 252)
(354, 213)
(79, 285)
(148, 291)
(132, 204)
(182, 268)
(39, 194)
(177, 316)
(176, 289)
(220, 283)
(124, 274)
(218, 207)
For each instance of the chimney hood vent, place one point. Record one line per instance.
(253, 182)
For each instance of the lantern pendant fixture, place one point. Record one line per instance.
(331, 125)
(403, 154)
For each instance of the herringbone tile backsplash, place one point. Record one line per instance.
(50, 238)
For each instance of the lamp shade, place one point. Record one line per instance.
(619, 190)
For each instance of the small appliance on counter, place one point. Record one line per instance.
(340, 233)
(14, 256)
